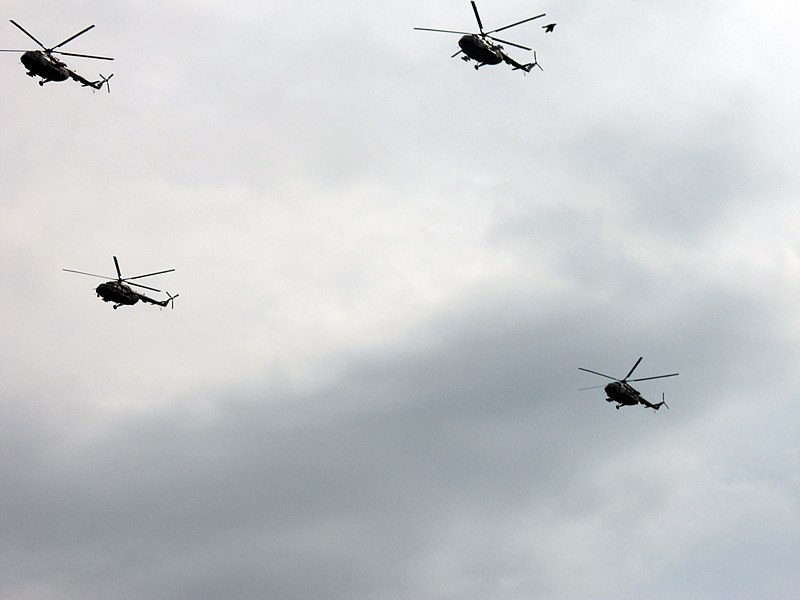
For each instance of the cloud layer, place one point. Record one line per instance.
(390, 268)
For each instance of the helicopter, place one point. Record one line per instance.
(42, 63)
(483, 47)
(623, 393)
(120, 293)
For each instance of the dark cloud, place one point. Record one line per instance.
(445, 454)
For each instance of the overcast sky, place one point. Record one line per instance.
(390, 268)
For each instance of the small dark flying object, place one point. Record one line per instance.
(549, 28)
(621, 392)
(120, 292)
(42, 63)
(483, 47)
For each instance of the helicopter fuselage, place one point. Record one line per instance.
(41, 65)
(480, 49)
(118, 293)
(622, 393)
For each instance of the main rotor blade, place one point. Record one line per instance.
(477, 16)
(85, 273)
(147, 287)
(13, 50)
(596, 373)
(509, 43)
(656, 377)
(515, 24)
(116, 264)
(442, 30)
(82, 55)
(632, 370)
(28, 34)
(149, 275)
(72, 38)
(594, 387)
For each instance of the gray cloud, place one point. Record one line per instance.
(390, 268)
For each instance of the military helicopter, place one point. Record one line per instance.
(120, 293)
(483, 47)
(621, 392)
(42, 63)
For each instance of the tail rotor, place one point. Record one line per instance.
(660, 404)
(170, 300)
(98, 85)
(535, 63)
(528, 66)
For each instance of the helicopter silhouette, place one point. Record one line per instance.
(623, 393)
(483, 47)
(42, 63)
(120, 293)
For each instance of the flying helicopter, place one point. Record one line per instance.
(623, 393)
(483, 48)
(42, 63)
(120, 293)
